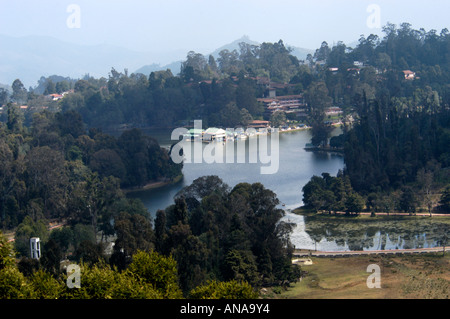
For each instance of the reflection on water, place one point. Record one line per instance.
(350, 234)
(296, 167)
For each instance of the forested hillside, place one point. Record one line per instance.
(57, 169)
(57, 164)
(396, 151)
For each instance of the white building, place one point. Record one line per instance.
(214, 134)
(35, 247)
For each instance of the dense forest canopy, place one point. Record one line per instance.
(394, 91)
(58, 164)
(51, 168)
(217, 90)
(396, 152)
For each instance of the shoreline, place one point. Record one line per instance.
(152, 185)
(307, 212)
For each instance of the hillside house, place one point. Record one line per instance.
(409, 75)
(286, 103)
(257, 124)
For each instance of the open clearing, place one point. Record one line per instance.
(424, 276)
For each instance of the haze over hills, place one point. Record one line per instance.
(300, 53)
(29, 58)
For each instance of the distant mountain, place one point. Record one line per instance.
(233, 46)
(300, 53)
(29, 58)
(175, 67)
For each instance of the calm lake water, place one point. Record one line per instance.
(295, 169)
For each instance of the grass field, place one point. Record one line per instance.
(402, 277)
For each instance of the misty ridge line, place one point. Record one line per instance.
(28, 58)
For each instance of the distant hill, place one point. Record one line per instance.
(300, 53)
(233, 46)
(175, 67)
(29, 58)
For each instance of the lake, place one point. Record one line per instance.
(295, 169)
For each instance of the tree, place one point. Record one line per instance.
(47, 178)
(62, 86)
(64, 237)
(6, 253)
(246, 97)
(157, 270)
(15, 118)
(89, 252)
(445, 200)
(318, 101)
(102, 282)
(9, 185)
(3, 96)
(160, 232)
(278, 118)
(45, 286)
(92, 202)
(27, 229)
(354, 203)
(312, 193)
(241, 265)
(323, 52)
(224, 290)
(230, 116)
(13, 284)
(107, 163)
(190, 254)
(19, 94)
(408, 200)
(50, 88)
(134, 233)
(194, 68)
(425, 180)
(228, 61)
(204, 186)
(51, 257)
(246, 117)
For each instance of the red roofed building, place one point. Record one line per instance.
(259, 124)
(409, 75)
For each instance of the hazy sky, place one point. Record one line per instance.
(204, 25)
